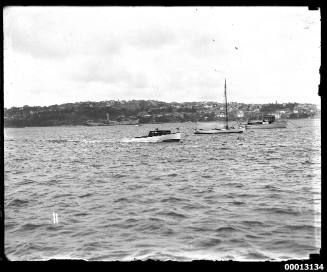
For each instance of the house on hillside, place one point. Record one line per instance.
(240, 114)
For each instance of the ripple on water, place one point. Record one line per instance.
(270, 187)
(256, 255)
(173, 214)
(253, 223)
(82, 214)
(276, 210)
(238, 203)
(226, 229)
(18, 203)
(300, 227)
(172, 199)
(31, 226)
(119, 176)
(122, 199)
(209, 197)
(208, 242)
(85, 195)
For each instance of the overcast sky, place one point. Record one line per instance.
(55, 55)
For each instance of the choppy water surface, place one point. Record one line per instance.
(242, 197)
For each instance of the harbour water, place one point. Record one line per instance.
(85, 193)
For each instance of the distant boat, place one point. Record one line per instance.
(126, 122)
(158, 136)
(94, 124)
(109, 122)
(265, 123)
(224, 130)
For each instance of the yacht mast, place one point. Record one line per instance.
(226, 107)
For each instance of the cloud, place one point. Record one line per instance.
(109, 71)
(159, 53)
(35, 34)
(152, 38)
(44, 33)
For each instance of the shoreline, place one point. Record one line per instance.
(141, 124)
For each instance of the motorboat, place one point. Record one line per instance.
(158, 136)
(266, 123)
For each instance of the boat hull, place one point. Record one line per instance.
(173, 137)
(93, 124)
(130, 122)
(267, 126)
(219, 131)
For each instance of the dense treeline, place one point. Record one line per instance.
(147, 111)
(271, 107)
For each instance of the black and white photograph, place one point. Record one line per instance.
(161, 133)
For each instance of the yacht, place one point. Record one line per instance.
(227, 129)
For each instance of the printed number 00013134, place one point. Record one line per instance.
(303, 266)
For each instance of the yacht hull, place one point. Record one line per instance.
(219, 131)
(266, 126)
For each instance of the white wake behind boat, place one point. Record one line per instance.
(158, 136)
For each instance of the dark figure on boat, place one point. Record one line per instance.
(158, 132)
